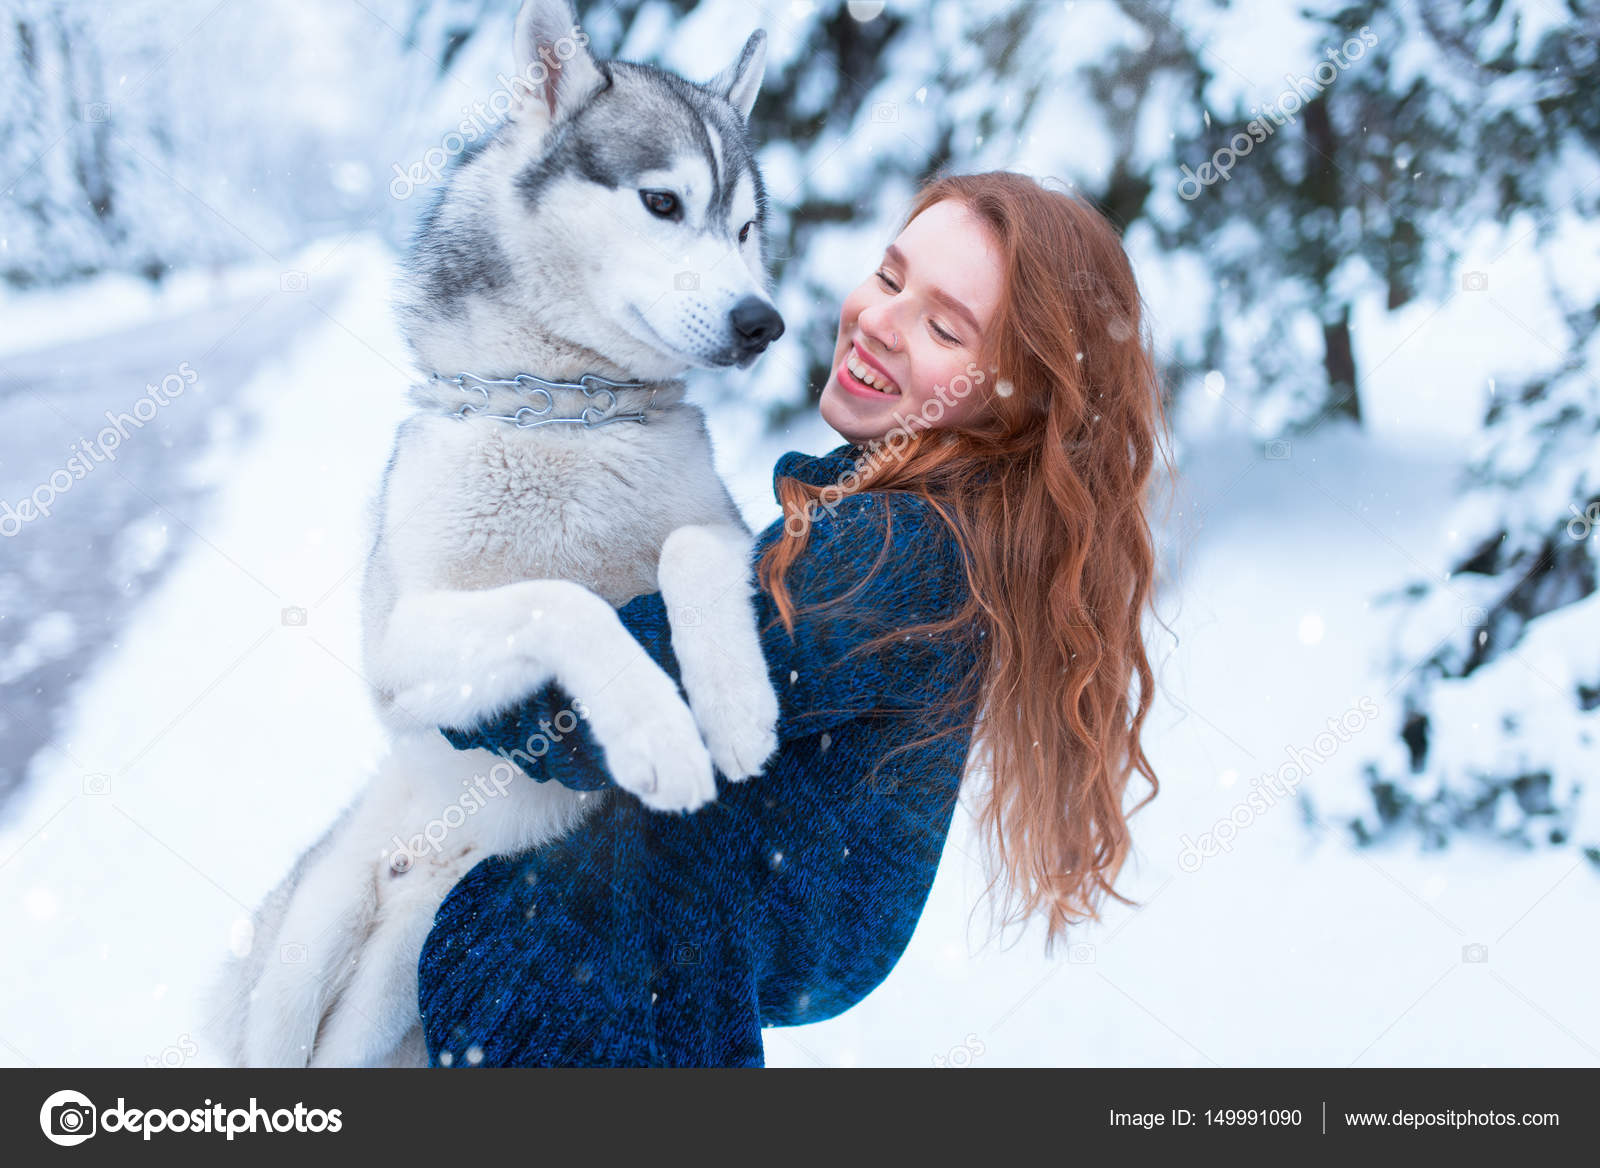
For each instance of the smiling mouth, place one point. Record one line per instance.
(866, 376)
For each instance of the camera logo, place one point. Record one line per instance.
(67, 1118)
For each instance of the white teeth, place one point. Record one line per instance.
(864, 372)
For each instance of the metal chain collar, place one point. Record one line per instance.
(599, 400)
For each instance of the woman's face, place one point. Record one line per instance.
(915, 324)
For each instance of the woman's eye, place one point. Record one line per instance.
(886, 280)
(744, 232)
(942, 335)
(661, 204)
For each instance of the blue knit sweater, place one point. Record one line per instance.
(657, 939)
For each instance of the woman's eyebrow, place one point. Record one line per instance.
(898, 258)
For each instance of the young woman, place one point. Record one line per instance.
(978, 545)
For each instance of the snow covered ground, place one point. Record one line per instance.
(223, 725)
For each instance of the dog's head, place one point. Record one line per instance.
(619, 211)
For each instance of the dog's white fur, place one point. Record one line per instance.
(500, 556)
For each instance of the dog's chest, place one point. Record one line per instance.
(498, 505)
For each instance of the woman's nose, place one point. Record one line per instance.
(877, 322)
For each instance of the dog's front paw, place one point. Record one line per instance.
(714, 634)
(660, 758)
(740, 725)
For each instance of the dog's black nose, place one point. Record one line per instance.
(756, 323)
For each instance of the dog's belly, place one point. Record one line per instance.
(439, 804)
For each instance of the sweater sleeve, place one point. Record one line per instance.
(886, 560)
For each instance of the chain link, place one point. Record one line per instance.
(591, 385)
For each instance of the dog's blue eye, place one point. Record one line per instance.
(661, 204)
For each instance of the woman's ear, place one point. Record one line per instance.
(552, 58)
(741, 81)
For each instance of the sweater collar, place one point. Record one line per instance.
(817, 470)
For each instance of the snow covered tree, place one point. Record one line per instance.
(131, 135)
(1497, 666)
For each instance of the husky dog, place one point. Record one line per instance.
(608, 238)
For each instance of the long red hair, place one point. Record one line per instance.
(1045, 493)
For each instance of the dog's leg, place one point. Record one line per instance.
(455, 658)
(706, 583)
(377, 1009)
(326, 922)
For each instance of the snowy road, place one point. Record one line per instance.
(131, 501)
(205, 737)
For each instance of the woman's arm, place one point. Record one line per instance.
(545, 737)
(820, 678)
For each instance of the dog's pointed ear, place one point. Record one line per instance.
(740, 81)
(553, 58)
